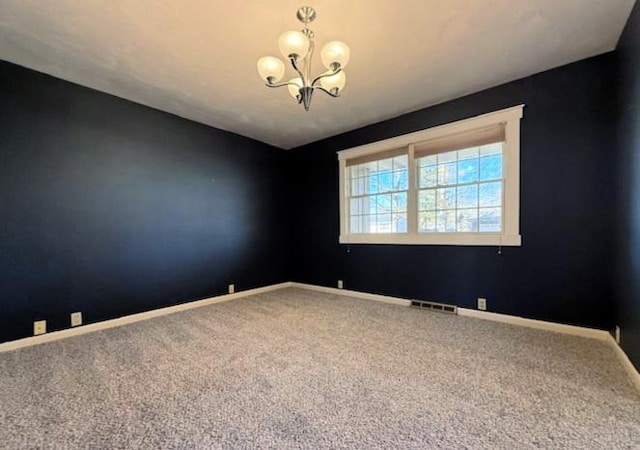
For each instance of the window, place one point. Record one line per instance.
(456, 184)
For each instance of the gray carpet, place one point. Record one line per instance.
(299, 369)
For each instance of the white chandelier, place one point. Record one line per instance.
(297, 47)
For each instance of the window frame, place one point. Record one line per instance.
(510, 234)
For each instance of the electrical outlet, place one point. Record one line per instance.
(39, 327)
(340, 284)
(232, 288)
(76, 319)
(482, 304)
(618, 333)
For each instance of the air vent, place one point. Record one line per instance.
(449, 309)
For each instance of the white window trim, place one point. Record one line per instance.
(510, 235)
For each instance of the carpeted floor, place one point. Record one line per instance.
(300, 369)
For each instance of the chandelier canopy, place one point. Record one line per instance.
(297, 47)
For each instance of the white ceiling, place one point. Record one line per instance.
(197, 58)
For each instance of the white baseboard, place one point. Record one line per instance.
(89, 328)
(631, 370)
(504, 318)
(358, 294)
(533, 323)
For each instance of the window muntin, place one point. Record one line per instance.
(461, 191)
(378, 195)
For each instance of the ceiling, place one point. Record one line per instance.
(197, 58)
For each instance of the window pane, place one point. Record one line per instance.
(490, 219)
(383, 223)
(427, 222)
(354, 207)
(383, 204)
(491, 194)
(385, 165)
(370, 168)
(467, 220)
(469, 153)
(400, 162)
(399, 202)
(427, 200)
(446, 221)
(430, 160)
(400, 223)
(358, 186)
(468, 171)
(468, 196)
(447, 174)
(428, 176)
(400, 180)
(491, 167)
(369, 205)
(355, 224)
(372, 184)
(363, 184)
(385, 181)
(491, 149)
(354, 186)
(366, 223)
(446, 198)
(385, 175)
(447, 157)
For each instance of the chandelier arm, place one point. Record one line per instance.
(320, 88)
(297, 69)
(282, 85)
(328, 73)
(312, 45)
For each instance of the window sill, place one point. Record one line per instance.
(493, 239)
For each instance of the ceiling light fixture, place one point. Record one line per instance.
(297, 47)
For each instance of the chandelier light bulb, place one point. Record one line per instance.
(334, 81)
(335, 52)
(293, 43)
(270, 67)
(295, 90)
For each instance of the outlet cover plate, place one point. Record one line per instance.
(482, 304)
(39, 327)
(340, 284)
(76, 319)
(232, 288)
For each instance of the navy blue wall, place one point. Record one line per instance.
(627, 280)
(111, 208)
(563, 270)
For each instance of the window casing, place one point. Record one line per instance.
(455, 184)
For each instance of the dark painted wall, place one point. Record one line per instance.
(627, 281)
(563, 270)
(111, 208)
